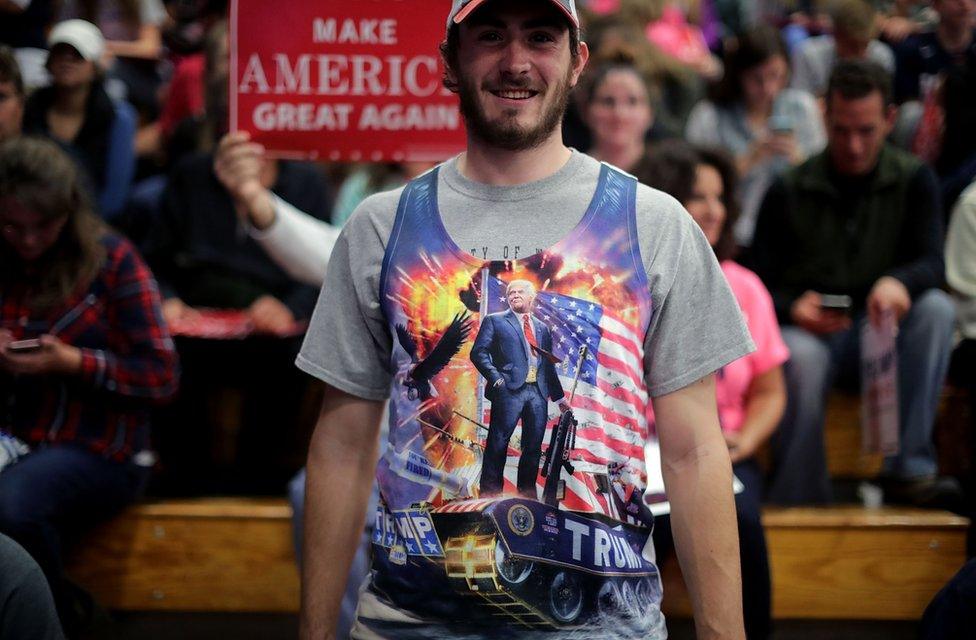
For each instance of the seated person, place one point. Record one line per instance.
(616, 106)
(861, 219)
(77, 113)
(921, 58)
(750, 391)
(855, 32)
(132, 40)
(80, 395)
(956, 164)
(26, 606)
(924, 61)
(203, 254)
(11, 95)
(23, 26)
(960, 258)
(754, 117)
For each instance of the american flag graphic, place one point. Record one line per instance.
(609, 404)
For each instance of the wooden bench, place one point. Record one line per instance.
(851, 563)
(235, 555)
(218, 554)
(842, 436)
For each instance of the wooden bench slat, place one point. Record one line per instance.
(250, 508)
(859, 517)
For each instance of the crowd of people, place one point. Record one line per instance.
(825, 150)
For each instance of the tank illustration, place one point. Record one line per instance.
(526, 561)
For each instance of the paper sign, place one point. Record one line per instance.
(351, 80)
(655, 496)
(879, 387)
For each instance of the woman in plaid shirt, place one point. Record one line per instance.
(80, 397)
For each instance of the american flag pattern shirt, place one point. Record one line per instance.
(560, 556)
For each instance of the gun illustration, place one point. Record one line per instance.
(562, 442)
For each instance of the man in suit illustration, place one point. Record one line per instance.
(513, 352)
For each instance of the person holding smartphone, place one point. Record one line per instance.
(84, 355)
(855, 235)
(752, 115)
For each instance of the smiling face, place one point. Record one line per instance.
(514, 73)
(520, 296)
(705, 204)
(620, 112)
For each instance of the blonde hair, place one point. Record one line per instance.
(854, 18)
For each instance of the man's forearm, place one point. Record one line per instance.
(341, 461)
(698, 481)
(706, 537)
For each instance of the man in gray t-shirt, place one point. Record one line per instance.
(516, 193)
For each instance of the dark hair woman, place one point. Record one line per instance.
(616, 106)
(753, 116)
(77, 113)
(750, 392)
(84, 355)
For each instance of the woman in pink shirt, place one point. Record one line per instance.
(750, 392)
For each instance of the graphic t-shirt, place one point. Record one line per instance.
(500, 512)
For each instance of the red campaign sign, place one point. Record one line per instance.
(343, 80)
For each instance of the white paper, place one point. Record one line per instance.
(655, 497)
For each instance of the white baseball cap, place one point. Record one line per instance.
(80, 34)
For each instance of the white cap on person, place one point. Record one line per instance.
(80, 34)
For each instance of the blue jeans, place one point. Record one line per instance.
(53, 494)
(816, 362)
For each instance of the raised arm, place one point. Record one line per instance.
(341, 462)
(698, 480)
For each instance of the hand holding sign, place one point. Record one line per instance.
(238, 164)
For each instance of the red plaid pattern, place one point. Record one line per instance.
(129, 362)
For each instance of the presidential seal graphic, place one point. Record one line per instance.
(520, 520)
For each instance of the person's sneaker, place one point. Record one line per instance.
(927, 492)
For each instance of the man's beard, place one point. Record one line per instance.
(506, 133)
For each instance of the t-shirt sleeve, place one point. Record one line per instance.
(348, 342)
(696, 327)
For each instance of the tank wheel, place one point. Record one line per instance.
(565, 597)
(608, 599)
(647, 593)
(512, 570)
(630, 603)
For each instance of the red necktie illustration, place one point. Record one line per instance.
(527, 328)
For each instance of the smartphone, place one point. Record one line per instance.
(781, 123)
(836, 303)
(24, 346)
